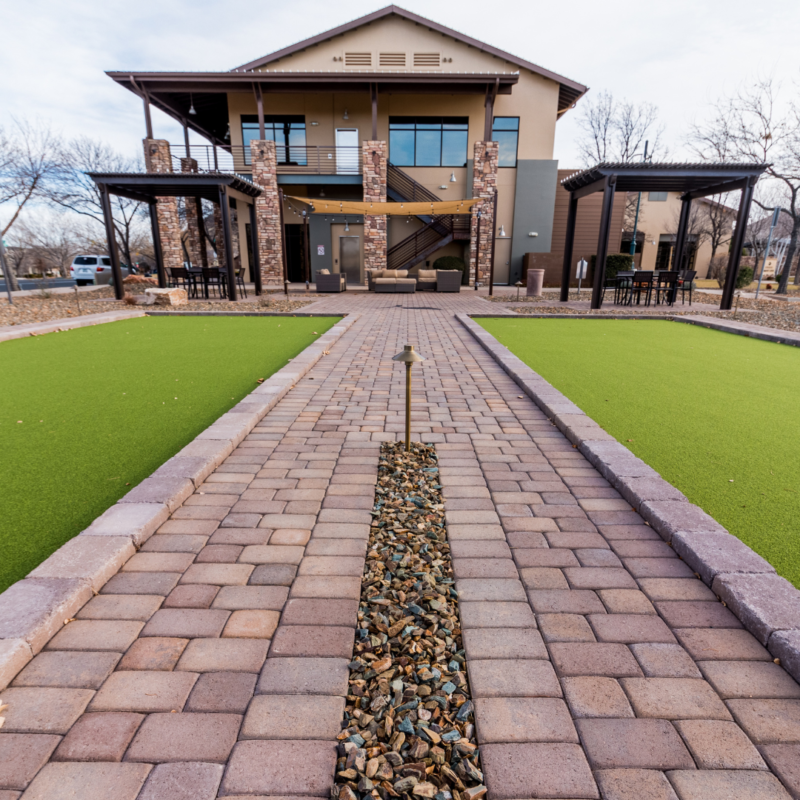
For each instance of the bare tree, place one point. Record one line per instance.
(750, 126)
(616, 130)
(54, 240)
(718, 221)
(78, 192)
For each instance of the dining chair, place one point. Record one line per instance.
(685, 282)
(214, 278)
(642, 282)
(665, 287)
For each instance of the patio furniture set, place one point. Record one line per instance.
(664, 286)
(210, 278)
(395, 281)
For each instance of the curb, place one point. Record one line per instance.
(10, 332)
(766, 604)
(35, 608)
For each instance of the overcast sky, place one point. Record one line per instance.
(678, 54)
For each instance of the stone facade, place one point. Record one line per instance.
(195, 235)
(158, 159)
(375, 225)
(268, 212)
(484, 185)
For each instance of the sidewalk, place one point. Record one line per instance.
(215, 662)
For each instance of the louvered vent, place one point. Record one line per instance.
(358, 59)
(426, 59)
(392, 59)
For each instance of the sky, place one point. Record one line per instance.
(680, 55)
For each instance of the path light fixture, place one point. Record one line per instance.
(518, 284)
(409, 357)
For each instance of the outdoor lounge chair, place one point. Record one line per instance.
(448, 280)
(426, 280)
(327, 282)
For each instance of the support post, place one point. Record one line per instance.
(494, 240)
(680, 236)
(148, 121)
(226, 227)
(6, 272)
(162, 276)
(373, 88)
(260, 103)
(736, 247)
(283, 244)
(488, 123)
(569, 243)
(108, 219)
(307, 246)
(186, 140)
(478, 240)
(602, 243)
(255, 267)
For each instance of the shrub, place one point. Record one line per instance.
(452, 262)
(616, 262)
(744, 278)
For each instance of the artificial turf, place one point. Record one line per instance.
(87, 414)
(714, 413)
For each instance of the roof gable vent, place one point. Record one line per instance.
(427, 60)
(392, 60)
(358, 59)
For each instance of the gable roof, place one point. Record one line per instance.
(569, 90)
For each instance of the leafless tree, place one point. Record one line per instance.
(717, 221)
(55, 240)
(78, 192)
(756, 124)
(616, 130)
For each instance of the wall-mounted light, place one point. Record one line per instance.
(315, 124)
(443, 186)
(453, 177)
(346, 226)
(502, 234)
(533, 234)
(345, 115)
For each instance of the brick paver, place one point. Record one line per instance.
(215, 662)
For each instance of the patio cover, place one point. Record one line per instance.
(693, 180)
(317, 206)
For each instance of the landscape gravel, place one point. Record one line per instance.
(408, 729)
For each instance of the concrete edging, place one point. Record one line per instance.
(9, 332)
(766, 604)
(35, 608)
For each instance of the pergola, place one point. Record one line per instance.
(148, 187)
(692, 180)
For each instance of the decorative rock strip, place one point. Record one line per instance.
(766, 604)
(34, 609)
(407, 724)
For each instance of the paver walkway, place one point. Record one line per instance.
(215, 662)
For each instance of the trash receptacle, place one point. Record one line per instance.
(535, 282)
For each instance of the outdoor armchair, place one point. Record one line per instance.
(448, 280)
(327, 282)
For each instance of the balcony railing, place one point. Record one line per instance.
(292, 160)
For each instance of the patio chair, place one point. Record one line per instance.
(623, 285)
(426, 280)
(665, 285)
(214, 277)
(448, 280)
(641, 282)
(327, 282)
(240, 281)
(685, 282)
(179, 278)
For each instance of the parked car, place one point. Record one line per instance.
(94, 270)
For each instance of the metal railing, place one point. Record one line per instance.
(294, 160)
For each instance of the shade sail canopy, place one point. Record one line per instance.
(318, 206)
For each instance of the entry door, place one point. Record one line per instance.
(350, 258)
(347, 151)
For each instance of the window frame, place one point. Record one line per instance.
(516, 147)
(249, 122)
(424, 124)
(651, 199)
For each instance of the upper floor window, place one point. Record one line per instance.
(505, 131)
(428, 141)
(657, 197)
(287, 131)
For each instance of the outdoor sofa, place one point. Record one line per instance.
(390, 280)
(327, 282)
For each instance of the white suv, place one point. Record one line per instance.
(88, 270)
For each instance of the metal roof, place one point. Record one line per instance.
(146, 186)
(664, 177)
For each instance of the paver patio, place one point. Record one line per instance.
(215, 662)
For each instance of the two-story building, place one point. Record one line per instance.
(389, 107)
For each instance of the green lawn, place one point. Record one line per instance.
(716, 414)
(85, 415)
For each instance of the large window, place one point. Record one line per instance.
(505, 131)
(657, 197)
(288, 133)
(428, 141)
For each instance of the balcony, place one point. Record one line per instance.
(293, 160)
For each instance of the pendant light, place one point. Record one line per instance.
(502, 233)
(453, 177)
(346, 115)
(346, 226)
(191, 106)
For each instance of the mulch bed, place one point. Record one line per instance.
(408, 730)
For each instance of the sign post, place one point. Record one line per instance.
(580, 273)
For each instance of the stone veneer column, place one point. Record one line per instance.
(375, 227)
(268, 214)
(158, 159)
(196, 240)
(484, 185)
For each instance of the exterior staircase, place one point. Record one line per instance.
(437, 231)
